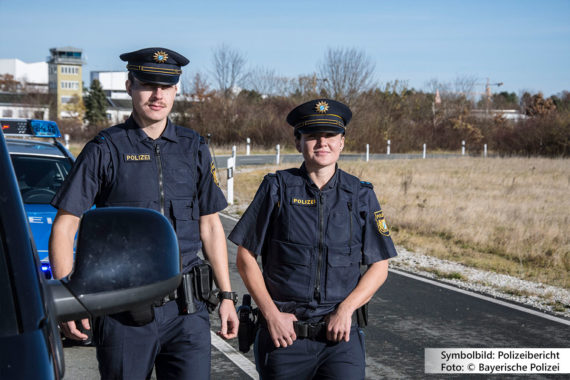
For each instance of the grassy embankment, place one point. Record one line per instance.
(509, 215)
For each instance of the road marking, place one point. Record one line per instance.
(241, 361)
(486, 298)
(230, 217)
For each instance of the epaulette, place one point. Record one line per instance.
(99, 139)
(271, 175)
(366, 184)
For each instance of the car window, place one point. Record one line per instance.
(39, 177)
(8, 322)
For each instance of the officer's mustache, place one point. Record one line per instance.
(160, 104)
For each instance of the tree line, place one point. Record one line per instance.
(233, 102)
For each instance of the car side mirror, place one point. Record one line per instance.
(125, 257)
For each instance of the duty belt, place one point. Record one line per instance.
(167, 298)
(309, 330)
(174, 295)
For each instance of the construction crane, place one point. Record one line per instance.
(487, 92)
(488, 87)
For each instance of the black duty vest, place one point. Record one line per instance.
(314, 250)
(160, 175)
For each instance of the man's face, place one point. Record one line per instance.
(151, 102)
(320, 149)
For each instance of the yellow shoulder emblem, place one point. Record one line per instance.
(381, 223)
(214, 174)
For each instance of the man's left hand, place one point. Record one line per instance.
(338, 325)
(228, 319)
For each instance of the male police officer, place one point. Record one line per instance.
(313, 226)
(150, 162)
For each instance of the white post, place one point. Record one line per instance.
(367, 152)
(66, 137)
(424, 155)
(485, 150)
(277, 151)
(463, 148)
(248, 142)
(231, 167)
(234, 155)
(388, 148)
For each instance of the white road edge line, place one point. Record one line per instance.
(249, 368)
(230, 217)
(470, 293)
(241, 361)
(225, 348)
(486, 298)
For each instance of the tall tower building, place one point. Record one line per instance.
(64, 77)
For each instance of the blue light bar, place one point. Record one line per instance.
(30, 127)
(46, 269)
(44, 128)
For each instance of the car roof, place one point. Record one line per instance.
(31, 147)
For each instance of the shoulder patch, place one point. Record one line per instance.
(99, 139)
(381, 223)
(366, 184)
(202, 140)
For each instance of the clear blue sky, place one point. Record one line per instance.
(525, 44)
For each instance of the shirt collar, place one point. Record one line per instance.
(136, 134)
(330, 184)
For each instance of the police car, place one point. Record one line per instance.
(103, 281)
(41, 164)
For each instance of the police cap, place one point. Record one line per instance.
(320, 115)
(155, 65)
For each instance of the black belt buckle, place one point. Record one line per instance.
(310, 330)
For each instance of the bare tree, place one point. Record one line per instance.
(345, 73)
(266, 82)
(229, 68)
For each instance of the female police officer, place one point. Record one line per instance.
(313, 227)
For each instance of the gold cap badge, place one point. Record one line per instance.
(322, 107)
(160, 56)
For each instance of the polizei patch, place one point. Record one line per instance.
(136, 157)
(303, 202)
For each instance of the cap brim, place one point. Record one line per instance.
(321, 128)
(166, 80)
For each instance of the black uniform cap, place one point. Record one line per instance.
(155, 65)
(320, 115)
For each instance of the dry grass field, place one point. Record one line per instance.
(509, 215)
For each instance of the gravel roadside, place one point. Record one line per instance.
(550, 299)
(547, 298)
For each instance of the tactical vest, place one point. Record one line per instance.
(162, 177)
(314, 250)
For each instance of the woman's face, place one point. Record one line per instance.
(320, 149)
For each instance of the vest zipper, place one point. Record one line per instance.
(160, 181)
(317, 291)
(350, 218)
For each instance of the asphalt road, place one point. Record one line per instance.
(405, 317)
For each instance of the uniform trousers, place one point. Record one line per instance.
(178, 345)
(311, 359)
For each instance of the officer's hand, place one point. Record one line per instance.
(338, 325)
(228, 319)
(281, 329)
(70, 330)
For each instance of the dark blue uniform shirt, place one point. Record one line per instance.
(173, 174)
(312, 241)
